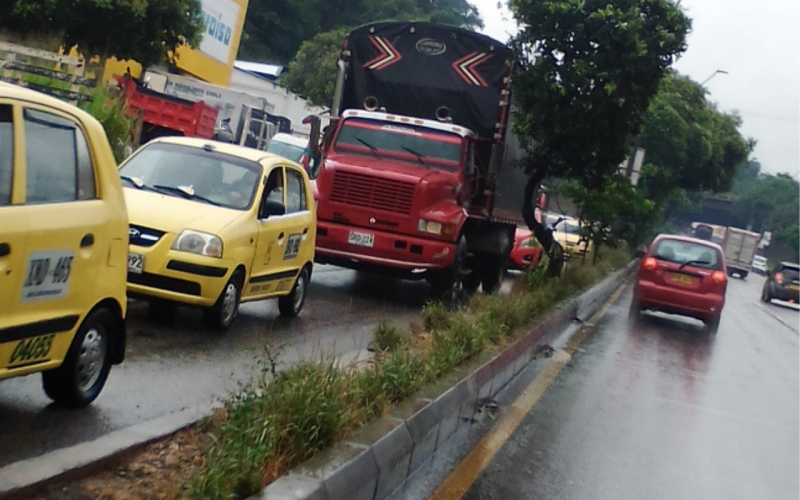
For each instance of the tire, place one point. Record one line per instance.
(635, 309)
(290, 305)
(743, 274)
(492, 271)
(765, 295)
(220, 316)
(449, 285)
(82, 375)
(712, 324)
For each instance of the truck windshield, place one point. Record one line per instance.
(404, 142)
(194, 173)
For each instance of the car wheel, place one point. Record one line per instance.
(220, 316)
(453, 285)
(290, 305)
(82, 375)
(635, 309)
(765, 295)
(492, 271)
(712, 324)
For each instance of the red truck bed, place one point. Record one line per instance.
(192, 119)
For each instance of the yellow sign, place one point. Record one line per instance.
(213, 60)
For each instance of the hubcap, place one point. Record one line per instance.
(91, 358)
(300, 291)
(229, 303)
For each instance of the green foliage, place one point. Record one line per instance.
(771, 204)
(589, 69)
(275, 29)
(312, 73)
(143, 30)
(110, 112)
(387, 336)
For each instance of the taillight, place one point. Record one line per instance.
(649, 264)
(718, 277)
(779, 278)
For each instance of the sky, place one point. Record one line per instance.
(757, 42)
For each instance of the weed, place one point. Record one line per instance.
(387, 336)
(436, 316)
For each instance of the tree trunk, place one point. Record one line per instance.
(540, 231)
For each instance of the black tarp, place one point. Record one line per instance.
(415, 68)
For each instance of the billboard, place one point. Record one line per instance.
(213, 60)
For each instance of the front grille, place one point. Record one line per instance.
(143, 236)
(372, 192)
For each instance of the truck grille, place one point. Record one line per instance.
(372, 192)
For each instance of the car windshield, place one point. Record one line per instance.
(286, 150)
(408, 143)
(689, 253)
(193, 173)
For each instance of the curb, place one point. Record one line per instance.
(375, 461)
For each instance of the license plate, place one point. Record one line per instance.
(135, 263)
(794, 288)
(31, 350)
(361, 239)
(681, 279)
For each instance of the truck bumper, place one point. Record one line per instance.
(397, 251)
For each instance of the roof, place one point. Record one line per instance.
(410, 120)
(268, 70)
(252, 154)
(687, 239)
(16, 92)
(290, 139)
(791, 264)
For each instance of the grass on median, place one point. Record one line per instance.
(308, 407)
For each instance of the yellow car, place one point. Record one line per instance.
(63, 247)
(214, 224)
(570, 235)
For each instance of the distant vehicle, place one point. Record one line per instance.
(682, 275)
(63, 246)
(214, 224)
(740, 248)
(569, 233)
(289, 146)
(760, 265)
(782, 283)
(526, 251)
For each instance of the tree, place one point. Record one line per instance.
(275, 29)
(772, 204)
(310, 75)
(588, 70)
(143, 30)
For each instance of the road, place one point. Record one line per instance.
(653, 409)
(170, 367)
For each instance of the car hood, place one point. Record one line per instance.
(173, 214)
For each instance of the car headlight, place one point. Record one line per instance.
(198, 243)
(429, 226)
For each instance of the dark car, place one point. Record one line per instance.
(782, 283)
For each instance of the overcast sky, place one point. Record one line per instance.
(758, 43)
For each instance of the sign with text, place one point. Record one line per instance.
(222, 19)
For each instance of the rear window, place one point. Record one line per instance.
(685, 252)
(791, 273)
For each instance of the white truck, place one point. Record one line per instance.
(739, 247)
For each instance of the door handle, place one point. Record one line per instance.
(305, 231)
(87, 240)
(5, 249)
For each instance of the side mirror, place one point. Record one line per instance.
(271, 208)
(638, 254)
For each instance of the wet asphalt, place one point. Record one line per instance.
(175, 365)
(658, 409)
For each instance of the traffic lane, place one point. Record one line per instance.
(658, 409)
(178, 365)
(784, 312)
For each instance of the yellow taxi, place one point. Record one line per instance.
(63, 247)
(569, 233)
(214, 224)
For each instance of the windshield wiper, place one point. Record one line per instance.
(370, 146)
(419, 156)
(186, 192)
(703, 262)
(138, 183)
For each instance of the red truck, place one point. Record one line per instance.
(417, 174)
(167, 115)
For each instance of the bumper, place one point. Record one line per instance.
(684, 302)
(522, 259)
(392, 250)
(785, 293)
(180, 277)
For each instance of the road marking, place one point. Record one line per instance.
(466, 473)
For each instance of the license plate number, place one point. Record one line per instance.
(794, 288)
(681, 279)
(361, 239)
(31, 350)
(135, 263)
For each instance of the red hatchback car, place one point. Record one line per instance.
(682, 275)
(526, 251)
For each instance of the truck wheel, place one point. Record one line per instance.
(82, 375)
(291, 304)
(743, 274)
(492, 270)
(448, 285)
(220, 316)
(765, 295)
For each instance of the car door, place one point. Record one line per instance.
(67, 224)
(13, 229)
(268, 269)
(299, 223)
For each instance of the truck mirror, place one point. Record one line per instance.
(496, 160)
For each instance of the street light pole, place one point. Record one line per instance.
(722, 71)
